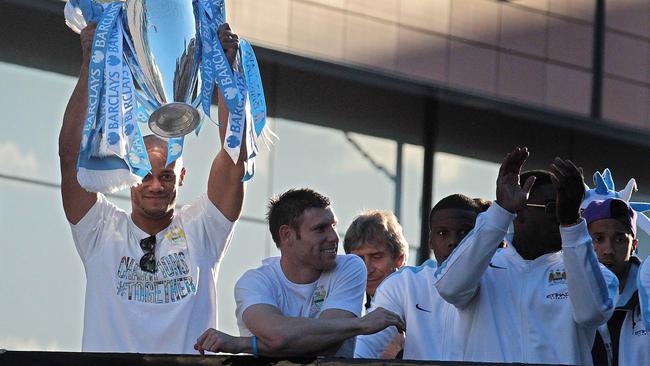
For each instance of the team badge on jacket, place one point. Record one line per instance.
(557, 277)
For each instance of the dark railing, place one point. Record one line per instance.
(24, 358)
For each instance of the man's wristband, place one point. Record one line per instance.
(254, 346)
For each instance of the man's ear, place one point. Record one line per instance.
(287, 234)
(181, 179)
(635, 244)
(401, 260)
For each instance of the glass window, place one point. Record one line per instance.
(39, 264)
(457, 174)
(42, 265)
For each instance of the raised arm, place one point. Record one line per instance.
(225, 186)
(593, 289)
(76, 200)
(281, 336)
(458, 278)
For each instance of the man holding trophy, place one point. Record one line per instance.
(151, 274)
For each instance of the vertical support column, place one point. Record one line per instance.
(398, 181)
(429, 138)
(597, 60)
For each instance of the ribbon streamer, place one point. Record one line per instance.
(112, 154)
(101, 168)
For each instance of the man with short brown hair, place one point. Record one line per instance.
(307, 301)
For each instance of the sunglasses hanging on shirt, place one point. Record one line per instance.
(148, 260)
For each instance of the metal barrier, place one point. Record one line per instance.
(29, 358)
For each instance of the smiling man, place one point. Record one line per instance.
(143, 289)
(307, 302)
(377, 238)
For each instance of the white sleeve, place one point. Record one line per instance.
(253, 288)
(457, 279)
(88, 231)
(643, 284)
(348, 288)
(205, 222)
(388, 297)
(593, 289)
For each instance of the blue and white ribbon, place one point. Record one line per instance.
(236, 122)
(137, 157)
(96, 69)
(112, 154)
(215, 65)
(174, 149)
(113, 139)
(206, 69)
(97, 169)
(248, 117)
(254, 86)
(242, 89)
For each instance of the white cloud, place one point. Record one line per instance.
(17, 162)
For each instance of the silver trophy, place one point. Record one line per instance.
(163, 54)
(165, 45)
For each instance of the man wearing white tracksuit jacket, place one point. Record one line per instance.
(634, 339)
(410, 292)
(430, 321)
(635, 344)
(623, 340)
(541, 299)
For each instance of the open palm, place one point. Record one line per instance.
(510, 194)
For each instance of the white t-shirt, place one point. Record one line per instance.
(430, 320)
(545, 310)
(130, 310)
(340, 288)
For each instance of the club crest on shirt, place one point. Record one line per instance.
(320, 294)
(557, 277)
(175, 235)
